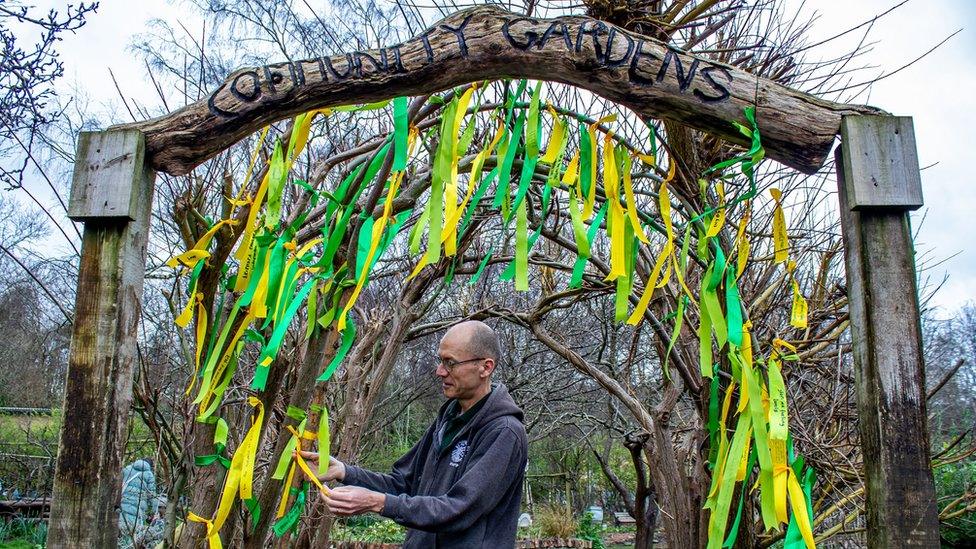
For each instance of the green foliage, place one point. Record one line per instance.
(22, 533)
(555, 521)
(951, 482)
(369, 528)
(591, 530)
(529, 532)
(37, 435)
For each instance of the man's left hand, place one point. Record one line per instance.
(346, 501)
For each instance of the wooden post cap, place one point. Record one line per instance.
(106, 164)
(880, 163)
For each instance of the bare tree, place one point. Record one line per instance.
(27, 76)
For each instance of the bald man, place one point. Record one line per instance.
(461, 485)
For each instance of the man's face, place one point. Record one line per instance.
(463, 381)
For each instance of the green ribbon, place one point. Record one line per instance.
(505, 174)
(289, 521)
(255, 509)
(531, 159)
(281, 327)
(334, 237)
(580, 266)
(521, 248)
(625, 283)
(479, 193)
(348, 337)
(441, 174)
(401, 129)
(510, 271)
(585, 162)
(734, 530)
(286, 456)
(295, 413)
(362, 246)
(794, 539)
(276, 184)
(733, 306)
(481, 268)
(417, 233)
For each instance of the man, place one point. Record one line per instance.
(461, 485)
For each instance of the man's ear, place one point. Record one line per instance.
(489, 366)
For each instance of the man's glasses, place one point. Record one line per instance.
(449, 365)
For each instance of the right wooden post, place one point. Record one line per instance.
(878, 184)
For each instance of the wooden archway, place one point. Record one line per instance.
(879, 183)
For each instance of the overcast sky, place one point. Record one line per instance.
(939, 92)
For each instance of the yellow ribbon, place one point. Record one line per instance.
(798, 503)
(798, 312)
(588, 205)
(240, 200)
(451, 188)
(245, 248)
(781, 243)
(556, 138)
(718, 219)
(742, 241)
(378, 228)
(213, 536)
(451, 221)
(571, 175)
(239, 478)
(667, 252)
(632, 203)
(201, 332)
(304, 465)
(191, 257)
(611, 186)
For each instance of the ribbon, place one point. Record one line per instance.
(289, 522)
(348, 337)
(400, 133)
(615, 223)
(580, 266)
(239, 477)
(199, 252)
(781, 243)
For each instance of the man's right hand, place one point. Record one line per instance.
(336, 470)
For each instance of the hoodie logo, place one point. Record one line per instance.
(458, 453)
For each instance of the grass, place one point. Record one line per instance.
(17, 544)
(34, 439)
(16, 430)
(22, 533)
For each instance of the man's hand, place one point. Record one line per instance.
(347, 501)
(336, 470)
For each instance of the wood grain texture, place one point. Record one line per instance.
(890, 381)
(485, 43)
(882, 163)
(98, 391)
(106, 164)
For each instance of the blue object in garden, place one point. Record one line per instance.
(139, 505)
(596, 512)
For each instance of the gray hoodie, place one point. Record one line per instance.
(467, 495)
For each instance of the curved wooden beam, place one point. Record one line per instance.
(487, 43)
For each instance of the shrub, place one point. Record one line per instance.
(951, 482)
(590, 530)
(368, 528)
(556, 521)
(22, 533)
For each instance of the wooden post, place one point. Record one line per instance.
(879, 182)
(112, 193)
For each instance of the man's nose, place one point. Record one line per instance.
(441, 371)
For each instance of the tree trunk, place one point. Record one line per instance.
(322, 348)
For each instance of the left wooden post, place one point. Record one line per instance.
(111, 192)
